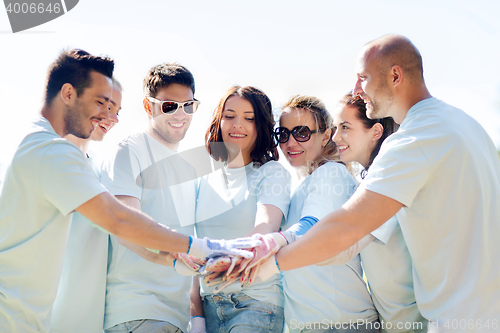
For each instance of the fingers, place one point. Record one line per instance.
(225, 284)
(218, 264)
(191, 261)
(242, 253)
(249, 276)
(234, 261)
(245, 242)
(213, 279)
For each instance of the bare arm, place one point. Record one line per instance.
(162, 258)
(361, 214)
(131, 224)
(267, 220)
(195, 307)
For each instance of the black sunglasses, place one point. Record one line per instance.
(300, 134)
(171, 107)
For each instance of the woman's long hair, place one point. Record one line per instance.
(265, 146)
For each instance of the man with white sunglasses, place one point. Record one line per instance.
(147, 173)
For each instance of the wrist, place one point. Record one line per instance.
(196, 247)
(279, 239)
(190, 243)
(277, 265)
(197, 324)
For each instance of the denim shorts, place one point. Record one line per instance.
(144, 326)
(239, 313)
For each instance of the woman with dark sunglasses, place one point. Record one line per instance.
(248, 193)
(314, 294)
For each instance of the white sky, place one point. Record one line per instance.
(283, 47)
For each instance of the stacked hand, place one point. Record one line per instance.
(186, 264)
(205, 248)
(239, 263)
(224, 262)
(263, 255)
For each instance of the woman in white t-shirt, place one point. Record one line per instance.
(248, 193)
(386, 261)
(319, 298)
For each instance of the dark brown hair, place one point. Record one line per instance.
(74, 67)
(265, 147)
(163, 75)
(388, 123)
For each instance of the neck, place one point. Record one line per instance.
(305, 170)
(55, 119)
(83, 144)
(416, 94)
(172, 146)
(301, 172)
(238, 161)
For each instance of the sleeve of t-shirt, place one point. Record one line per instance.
(66, 179)
(304, 224)
(383, 233)
(120, 173)
(274, 186)
(399, 171)
(329, 188)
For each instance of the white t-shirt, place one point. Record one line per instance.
(227, 204)
(47, 179)
(389, 272)
(317, 293)
(166, 186)
(443, 167)
(79, 305)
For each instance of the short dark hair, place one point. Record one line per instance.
(74, 67)
(265, 147)
(387, 123)
(163, 75)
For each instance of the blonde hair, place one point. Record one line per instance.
(323, 120)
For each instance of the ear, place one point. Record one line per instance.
(396, 75)
(147, 107)
(68, 93)
(378, 130)
(326, 137)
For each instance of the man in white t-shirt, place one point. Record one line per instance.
(79, 305)
(146, 173)
(47, 179)
(441, 174)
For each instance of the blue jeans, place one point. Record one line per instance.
(144, 326)
(239, 313)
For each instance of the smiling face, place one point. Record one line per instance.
(105, 125)
(372, 86)
(301, 154)
(354, 141)
(238, 127)
(83, 113)
(169, 129)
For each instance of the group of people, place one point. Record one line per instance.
(91, 248)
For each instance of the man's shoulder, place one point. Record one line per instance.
(433, 122)
(45, 144)
(430, 113)
(135, 139)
